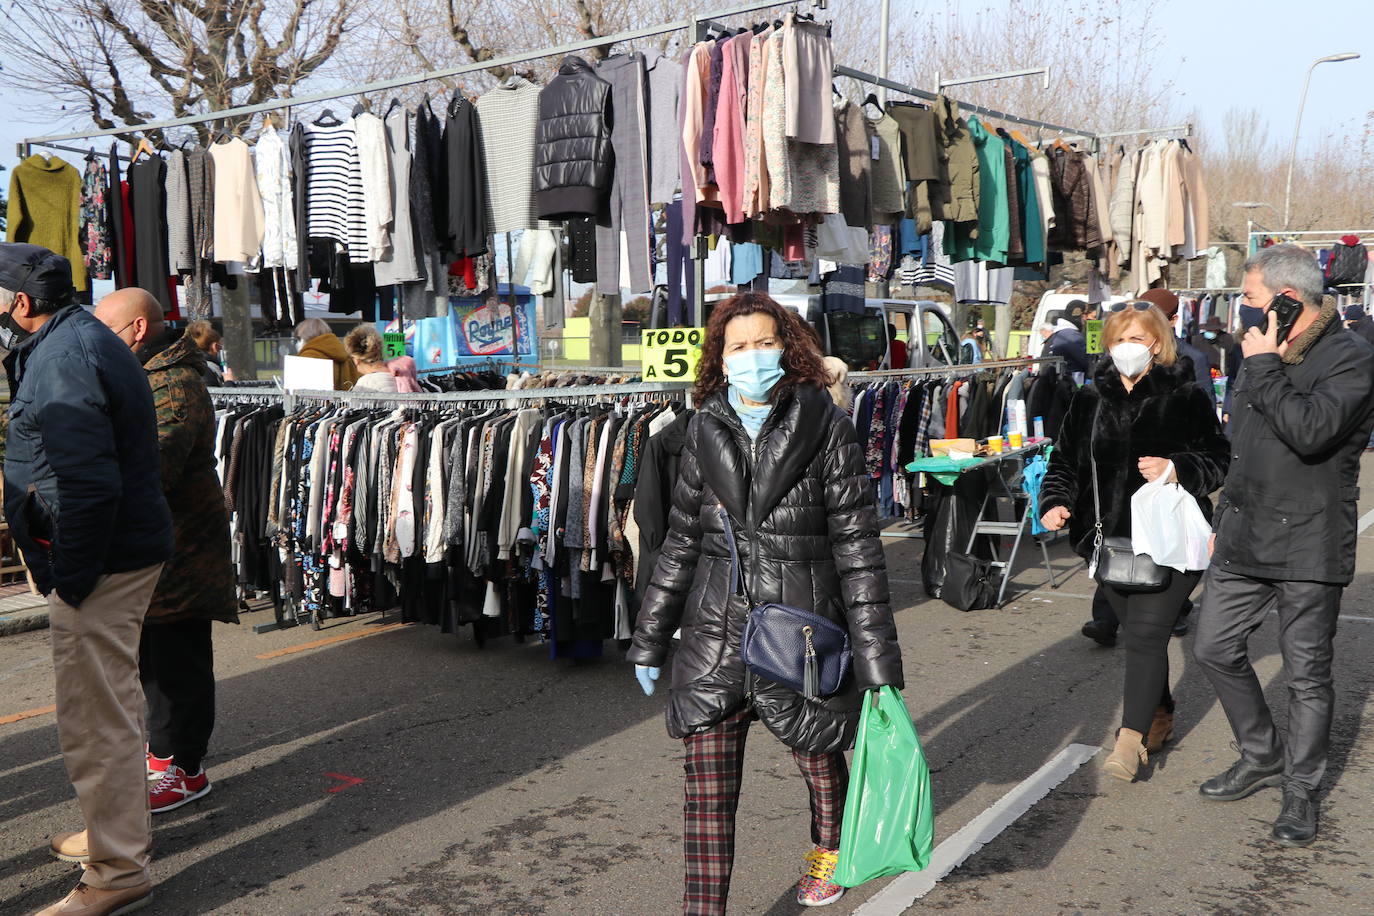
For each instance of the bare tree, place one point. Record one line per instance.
(126, 62)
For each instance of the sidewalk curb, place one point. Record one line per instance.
(23, 621)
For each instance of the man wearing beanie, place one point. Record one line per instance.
(1167, 303)
(83, 498)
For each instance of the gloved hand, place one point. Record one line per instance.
(646, 677)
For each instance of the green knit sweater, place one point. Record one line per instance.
(45, 208)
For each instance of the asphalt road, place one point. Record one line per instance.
(409, 772)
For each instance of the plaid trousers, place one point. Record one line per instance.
(715, 768)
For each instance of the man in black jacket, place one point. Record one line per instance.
(1285, 531)
(83, 497)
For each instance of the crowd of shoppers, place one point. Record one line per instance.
(112, 494)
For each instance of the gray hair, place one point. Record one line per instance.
(311, 328)
(40, 306)
(1292, 267)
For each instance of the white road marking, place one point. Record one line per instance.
(1366, 520)
(907, 888)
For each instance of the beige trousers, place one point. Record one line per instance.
(100, 721)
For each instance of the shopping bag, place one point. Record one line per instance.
(1167, 524)
(888, 824)
(436, 343)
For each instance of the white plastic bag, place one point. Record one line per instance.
(1167, 524)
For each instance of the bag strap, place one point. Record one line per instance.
(1097, 496)
(736, 573)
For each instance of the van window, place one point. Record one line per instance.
(859, 340)
(940, 341)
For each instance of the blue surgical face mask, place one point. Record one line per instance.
(753, 373)
(1210, 335)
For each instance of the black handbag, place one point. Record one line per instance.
(1114, 562)
(787, 645)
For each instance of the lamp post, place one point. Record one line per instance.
(1293, 153)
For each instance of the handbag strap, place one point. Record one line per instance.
(1097, 496)
(736, 573)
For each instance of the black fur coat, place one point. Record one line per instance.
(1166, 415)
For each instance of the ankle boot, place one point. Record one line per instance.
(1161, 730)
(1125, 759)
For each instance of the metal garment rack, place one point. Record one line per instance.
(403, 399)
(961, 369)
(24, 146)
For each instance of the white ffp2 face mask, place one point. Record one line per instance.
(1131, 359)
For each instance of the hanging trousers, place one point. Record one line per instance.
(629, 195)
(100, 721)
(1233, 607)
(680, 273)
(176, 664)
(715, 768)
(1148, 619)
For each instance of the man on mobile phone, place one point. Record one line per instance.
(1285, 530)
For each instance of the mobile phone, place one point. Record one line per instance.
(1286, 310)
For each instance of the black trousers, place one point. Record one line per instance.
(176, 664)
(1233, 607)
(1148, 618)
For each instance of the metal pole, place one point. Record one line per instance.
(883, 20)
(1293, 150)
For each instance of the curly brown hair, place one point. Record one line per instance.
(364, 343)
(801, 348)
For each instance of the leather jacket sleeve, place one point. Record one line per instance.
(1202, 467)
(664, 599)
(860, 562)
(1310, 423)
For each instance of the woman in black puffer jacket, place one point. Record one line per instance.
(1142, 411)
(770, 446)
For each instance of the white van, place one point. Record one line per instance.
(1057, 302)
(861, 340)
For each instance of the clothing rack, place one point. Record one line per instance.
(969, 369)
(690, 24)
(402, 399)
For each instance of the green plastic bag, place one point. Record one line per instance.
(889, 824)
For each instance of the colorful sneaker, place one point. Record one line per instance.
(816, 887)
(157, 766)
(176, 789)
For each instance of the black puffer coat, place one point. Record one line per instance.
(1301, 424)
(573, 158)
(807, 529)
(1166, 415)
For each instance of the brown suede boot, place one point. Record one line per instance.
(1161, 731)
(1125, 759)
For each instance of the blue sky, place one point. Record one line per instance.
(1220, 54)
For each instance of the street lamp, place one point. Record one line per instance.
(1293, 153)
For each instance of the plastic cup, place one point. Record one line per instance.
(1016, 440)
(995, 443)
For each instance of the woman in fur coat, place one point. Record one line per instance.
(1142, 412)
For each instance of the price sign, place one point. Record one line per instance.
(1093, 334)
(393, 344)
(670, 354)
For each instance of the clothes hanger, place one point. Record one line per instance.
(143, 147)
(395, 103)
(327, 118)
(361, 107)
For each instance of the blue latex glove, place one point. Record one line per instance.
(646, 677)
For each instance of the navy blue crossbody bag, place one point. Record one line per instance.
(786, 645)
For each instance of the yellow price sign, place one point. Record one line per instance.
(1093, 337)
(670, 354)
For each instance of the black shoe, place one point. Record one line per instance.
(1297, 822)
(1100, 633)
(1242, 779)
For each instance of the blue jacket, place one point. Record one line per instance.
(83, 484)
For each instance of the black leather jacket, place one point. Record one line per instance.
(1299, 426)
(573, 157)
(802, 506)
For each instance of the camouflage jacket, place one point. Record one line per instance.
(198, 582)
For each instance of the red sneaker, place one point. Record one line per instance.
(157, 766)
(176, 789)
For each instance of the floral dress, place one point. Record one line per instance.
(96, 248)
